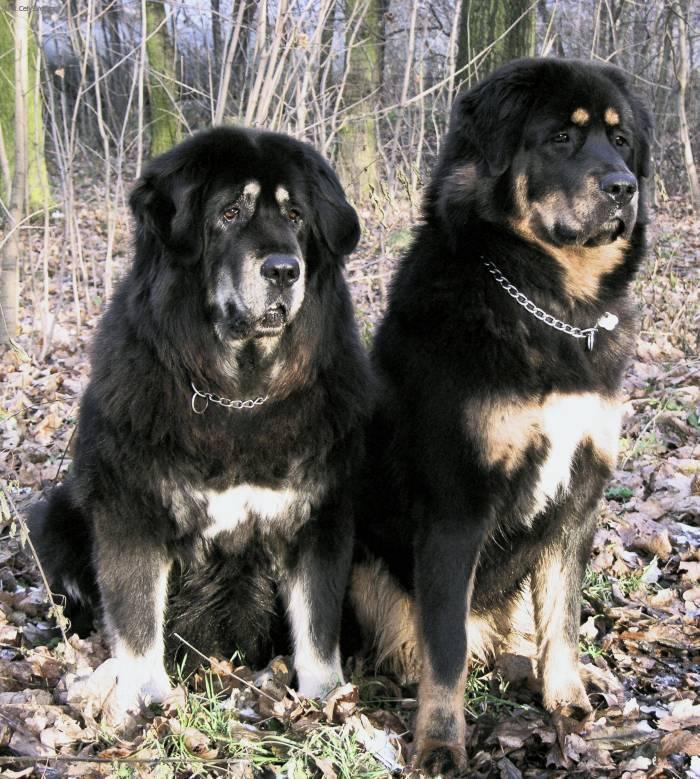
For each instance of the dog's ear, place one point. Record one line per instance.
(335, 221)
(165, 204)
(487, 122)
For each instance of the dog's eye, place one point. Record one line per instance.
(561, 138)
(231, 213)
(294, 215)
(620, 140)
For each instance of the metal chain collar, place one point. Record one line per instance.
(608, 321)
(225, 402)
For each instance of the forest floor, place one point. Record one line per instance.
(640, 623)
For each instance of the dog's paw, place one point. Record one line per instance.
(319, 686)
(128, 692)
(156, 688)
(90, 692)
(119, 710)
(565, 694)
(435, 758)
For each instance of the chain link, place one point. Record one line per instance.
(224, 402)
(608, 321)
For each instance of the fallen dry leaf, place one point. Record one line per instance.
(679, 742)
(341, 703)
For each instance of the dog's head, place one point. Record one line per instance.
(555, 148)
(255, 215)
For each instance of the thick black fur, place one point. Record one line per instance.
(431, 507)
(133, 501)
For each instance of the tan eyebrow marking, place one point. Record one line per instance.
(281, 195)
(611, 117)
(580, 116)
(251, 189)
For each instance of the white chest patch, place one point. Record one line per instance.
(232, 507)
(566, 422)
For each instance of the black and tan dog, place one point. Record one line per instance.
(500, 361)
(210, 491)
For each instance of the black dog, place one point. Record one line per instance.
(222, 420)
(500, 361)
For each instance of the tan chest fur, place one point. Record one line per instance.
(504, 430)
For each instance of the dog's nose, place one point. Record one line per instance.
(620, 187)
(281, 269)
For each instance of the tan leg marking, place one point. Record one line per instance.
(562, 688)
(440, 725)
(316, 675)
(387, 614)
(140, 677)
(505, 430)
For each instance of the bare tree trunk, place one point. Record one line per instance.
(37, 176)
(358, 137)
(328, 22)
(240, 71)
(484, 27)
(216, 32)
(231, 49)
(37, 179)
(165, 123)
(9, 288)
(681, 67)
(101, 125)
(7, 102)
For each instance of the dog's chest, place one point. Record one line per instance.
(537, 440)
(568, 422)
(237, 505)
(238, 509)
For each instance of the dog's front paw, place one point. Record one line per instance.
(565, 694)
(440, 732)
(131, 688)
(319, 685)
(437, 758)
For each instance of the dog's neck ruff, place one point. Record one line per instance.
(200, 406)
(608, 321)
